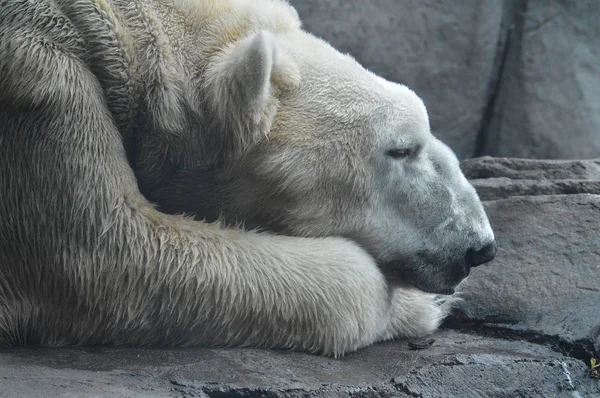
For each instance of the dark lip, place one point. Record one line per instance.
(445, 292)
(406, 277)
(407, 281)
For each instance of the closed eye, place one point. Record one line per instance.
(399, 153)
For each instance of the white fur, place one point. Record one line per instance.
(327, 154)
(189, 83)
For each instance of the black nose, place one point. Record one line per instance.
(481, 256)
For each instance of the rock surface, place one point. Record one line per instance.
(503, 78)
(497, 178)
(547, 103)
(544, 284)
(455, 365)
(528, 169)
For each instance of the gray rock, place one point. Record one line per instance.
(466, 376)
(443, 49)
(455, 365)
(495, 188)
(544, 284)
(530, 169)
(547, 103)
(496, 178)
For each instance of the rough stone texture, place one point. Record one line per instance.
(545, 280)
(455, 365)
(517, 78)
(496, 178)
(528, 169)
(547, 103)
(443, 49)
(505, 187)
(544, 284)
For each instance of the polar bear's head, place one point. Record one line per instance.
(308, 143)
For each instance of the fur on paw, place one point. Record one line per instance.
(414, 313)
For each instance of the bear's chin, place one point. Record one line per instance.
(398, 276)
(447, 291)
(398, 282)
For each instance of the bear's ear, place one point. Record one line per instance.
(240, 88)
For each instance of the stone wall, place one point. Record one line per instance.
(517, 78)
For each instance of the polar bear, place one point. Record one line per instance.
(117, 114)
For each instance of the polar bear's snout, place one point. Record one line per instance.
(475, 258)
